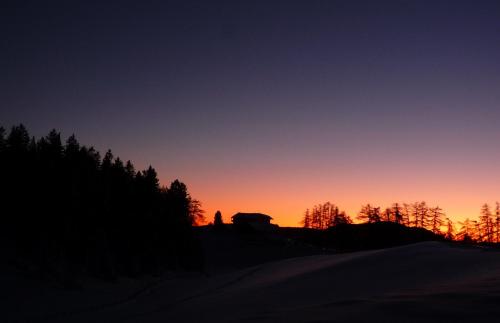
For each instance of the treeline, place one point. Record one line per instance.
(417, 214)
(65, 210)
(324, 216)
(420, 215)
(485, 229)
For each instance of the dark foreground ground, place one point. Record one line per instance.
(423, 282)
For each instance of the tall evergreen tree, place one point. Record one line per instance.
(306, 221)
(397, 213)
(18, 139)
(437, 215)
(450, 230)
(218, 219)
(486, 224)
(3, 141)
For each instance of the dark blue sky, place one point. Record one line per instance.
(227, 94)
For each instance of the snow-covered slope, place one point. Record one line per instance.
(425, 282)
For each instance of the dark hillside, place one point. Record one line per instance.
(229, 249)
(349, 237)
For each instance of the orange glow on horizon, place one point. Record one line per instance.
(287, 200)
(291, 217)
(283, 182)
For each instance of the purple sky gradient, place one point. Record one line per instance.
(348, 101)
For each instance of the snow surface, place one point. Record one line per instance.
(424, 282)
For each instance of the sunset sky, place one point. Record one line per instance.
(270, 106)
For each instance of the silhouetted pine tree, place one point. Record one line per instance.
(486, 224)
(340, 217)
(497, 222)
(306, 221)
(196, 213)
(406, 212)
(465, 232)
(369, 214)
(450, 230)
(397, 213)
(218, 223)
(436, 214)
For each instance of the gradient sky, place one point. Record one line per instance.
(270, 106)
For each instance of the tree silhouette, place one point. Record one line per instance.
(340, 218)
(324, 216)
(418, 214)
(3, 142)
(306, 221)
(18, 139)
(406, 214)
(450, 230)
(196, 213)
(497, 222)
(369, 214)
(218, 223)
(486, 224)
(66, 211)
(397, 213)
(436, 215)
